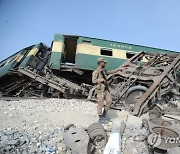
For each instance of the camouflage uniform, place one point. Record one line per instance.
(101, 89)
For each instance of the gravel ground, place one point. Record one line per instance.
(46, 114)
(37, 126)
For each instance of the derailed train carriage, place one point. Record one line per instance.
(11, 81)
(64, 69)
(79, 54)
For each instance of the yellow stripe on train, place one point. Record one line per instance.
(33, 52)
(58, 46)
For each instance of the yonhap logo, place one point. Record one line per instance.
(154, 139)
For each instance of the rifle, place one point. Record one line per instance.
(106, 85)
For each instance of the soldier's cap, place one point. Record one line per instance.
(102, 60)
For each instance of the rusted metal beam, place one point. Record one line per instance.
(55, 82)
(42, 79)
(143, 100)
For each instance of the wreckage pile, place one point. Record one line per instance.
(146, 77)
(148, 84)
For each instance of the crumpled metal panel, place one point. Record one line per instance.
(77, 140)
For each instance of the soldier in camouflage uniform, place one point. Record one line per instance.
(99, 79)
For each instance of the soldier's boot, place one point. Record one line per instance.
(105, 115)
(102, 120)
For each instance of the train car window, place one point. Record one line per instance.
(86, 41)
(106, 52)
(129, 54)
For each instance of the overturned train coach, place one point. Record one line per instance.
(65, 68)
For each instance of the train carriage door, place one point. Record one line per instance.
(70, 50)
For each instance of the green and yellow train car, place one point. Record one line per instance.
(13, 61)
(32, 56)
(26, 57)
(82, 52)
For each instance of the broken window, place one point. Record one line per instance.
(106, 52)
(130, 54)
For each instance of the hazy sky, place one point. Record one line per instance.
(153, 23)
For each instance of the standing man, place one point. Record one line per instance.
(99, 79)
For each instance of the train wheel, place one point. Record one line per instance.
(133, 95)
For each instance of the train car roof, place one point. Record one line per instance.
(111, 41)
